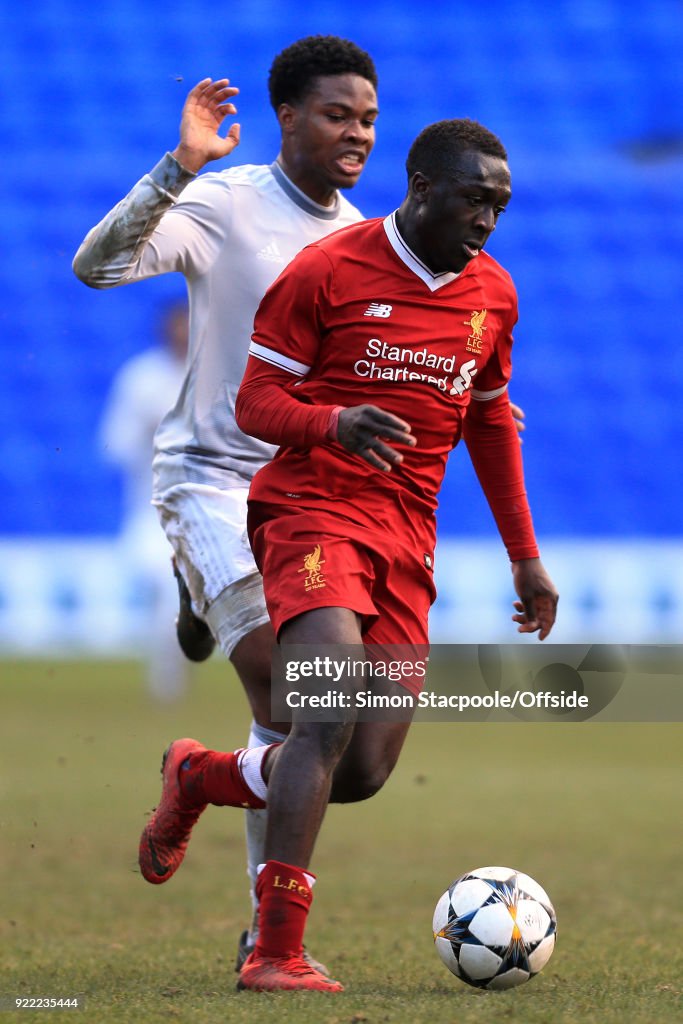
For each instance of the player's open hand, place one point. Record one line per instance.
(537, 605)
(206, 107)
(365, 430)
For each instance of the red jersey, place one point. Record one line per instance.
(357, 318)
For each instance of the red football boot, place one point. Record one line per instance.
(165, 837)
(244, 948)
(208, 777)
(283, 974)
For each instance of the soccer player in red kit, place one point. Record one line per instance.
(374, 353)
(410, 313)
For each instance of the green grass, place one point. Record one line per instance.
(592, 811)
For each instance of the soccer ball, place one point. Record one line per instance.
(494, 928)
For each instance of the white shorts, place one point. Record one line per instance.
(207, 529)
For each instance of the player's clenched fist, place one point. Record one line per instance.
(365, 429)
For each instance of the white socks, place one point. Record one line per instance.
(255, 820)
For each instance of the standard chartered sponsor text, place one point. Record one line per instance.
(376, 349)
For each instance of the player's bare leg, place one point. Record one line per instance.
(252, 658)
(297, 800)
(368, 760)
(297, 804)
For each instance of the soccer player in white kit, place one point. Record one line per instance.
(230, 234)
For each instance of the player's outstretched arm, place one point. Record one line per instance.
(537, 605)
(115, 251)
(365, 429)
(205, 109)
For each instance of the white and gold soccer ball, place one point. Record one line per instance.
(494, 928)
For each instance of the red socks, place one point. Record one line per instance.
(211, 777)
(285, 894)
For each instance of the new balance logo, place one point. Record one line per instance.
(271, 252)
(378, 309)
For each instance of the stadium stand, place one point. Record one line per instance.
(586, 96)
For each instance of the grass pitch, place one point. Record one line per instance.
(590, 810)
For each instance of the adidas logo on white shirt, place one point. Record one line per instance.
(271, 252)
(378, 309)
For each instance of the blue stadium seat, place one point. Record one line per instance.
(586, 96)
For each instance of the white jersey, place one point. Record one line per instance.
(230, 233)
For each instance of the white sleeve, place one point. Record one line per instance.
(152, 230)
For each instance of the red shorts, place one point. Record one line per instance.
(314, 559)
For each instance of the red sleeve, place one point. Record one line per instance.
(288, 330)
(491, 437)
(266, 408)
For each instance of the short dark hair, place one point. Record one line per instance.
(294, 71)
(436, 149)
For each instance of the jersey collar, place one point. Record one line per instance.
(407, 256)
(301, 199)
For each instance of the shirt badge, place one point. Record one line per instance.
(476, 325)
